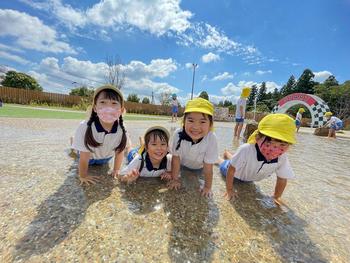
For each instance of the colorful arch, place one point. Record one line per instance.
(314, 104)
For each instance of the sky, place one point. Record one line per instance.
(64, 44)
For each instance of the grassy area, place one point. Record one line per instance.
(17, 111)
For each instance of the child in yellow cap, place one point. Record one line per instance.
(263, 155)
(298, 118)
(152, 159)
(240, 111)
(103, 136)
(334, 124)
(195, 145)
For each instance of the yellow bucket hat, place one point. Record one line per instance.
(277, 126)
(111, 87)
(328, 113)
(301, 110)
(245, 92)
(199, 105)
(150, 129)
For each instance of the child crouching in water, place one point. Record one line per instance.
(151, 159)
(103, 135)
(334, 124)
(263, 155)
(195, 145)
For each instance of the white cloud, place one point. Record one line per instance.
(31, 33)
(138, 75)
(10, 48)
(322, 75)
(210, 57)
(188, 65)
(155, 16)
(236, 89)
(12, 57)
(223, 76)
(262, 72)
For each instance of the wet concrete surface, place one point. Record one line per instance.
(46, 216)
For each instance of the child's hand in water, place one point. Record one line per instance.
(130, 177)
(174, 184)
(166, 176)
(231, 195)
(206, 192)
(88, 179)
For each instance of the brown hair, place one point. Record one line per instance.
(89, 139)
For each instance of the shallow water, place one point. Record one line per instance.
(46, 216)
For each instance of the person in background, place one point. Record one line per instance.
(298, 118)
(174, 107)
(334, 124)
(240, 111)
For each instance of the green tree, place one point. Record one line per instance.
(82, 91)
(289, 88)
(262, 92)
(331, 81)
(133, 98)
(305, 83)
(225, 103)
(252, 96)
(20, 80)
(204, 95)
(276, 95)
(145, 100)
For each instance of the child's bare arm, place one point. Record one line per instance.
(230, 192)
(175, 171)
(130, 177)
(84, 158)
(208, 176)
(118, 159)
(281, 184)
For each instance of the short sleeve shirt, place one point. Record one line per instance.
(241, 102)
(194, 155)
(249, 168)
(145, 172)
(298, 116)
(109, 141)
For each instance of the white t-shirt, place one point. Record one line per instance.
(241, 102)
(249, 168)
(193, 156)
(147, 169)
(334, 120)
(109, 141)
(174, 103)
(299, 116)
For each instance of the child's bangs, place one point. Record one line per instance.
(110, 95)
(157, 134)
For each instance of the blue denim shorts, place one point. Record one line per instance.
(223, 170)
(297, 123)
(132, 154)
(174, 109)
(240, 120)
(337, 126)
(99, 161)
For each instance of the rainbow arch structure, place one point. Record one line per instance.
(313, 103)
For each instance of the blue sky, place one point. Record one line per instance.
(235, 43)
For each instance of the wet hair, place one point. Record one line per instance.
(89, 139)
(183, 134)
(154, 133)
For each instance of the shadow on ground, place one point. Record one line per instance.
(62, 212)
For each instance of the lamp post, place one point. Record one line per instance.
(194, 72)
(255, 99)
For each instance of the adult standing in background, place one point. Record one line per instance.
(174, 107)
(240, 111)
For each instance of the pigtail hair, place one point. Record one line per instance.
(89, 139)
(181, 137)
(122, 143)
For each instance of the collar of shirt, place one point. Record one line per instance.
(184, 136)
(149, 164)
(99, 127)
(262, 158)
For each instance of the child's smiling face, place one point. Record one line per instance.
(157, 149)
(197, 125)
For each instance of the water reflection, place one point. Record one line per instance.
(62, 212)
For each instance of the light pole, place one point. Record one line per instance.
(255, 99)
(194, 72)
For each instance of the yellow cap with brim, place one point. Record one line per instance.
(301, 110)
(111, 87)
(328, 113)
(245, 92)
(199, 105)
(277, 126)
(150, 129)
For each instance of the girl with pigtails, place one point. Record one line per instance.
(103, 136)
